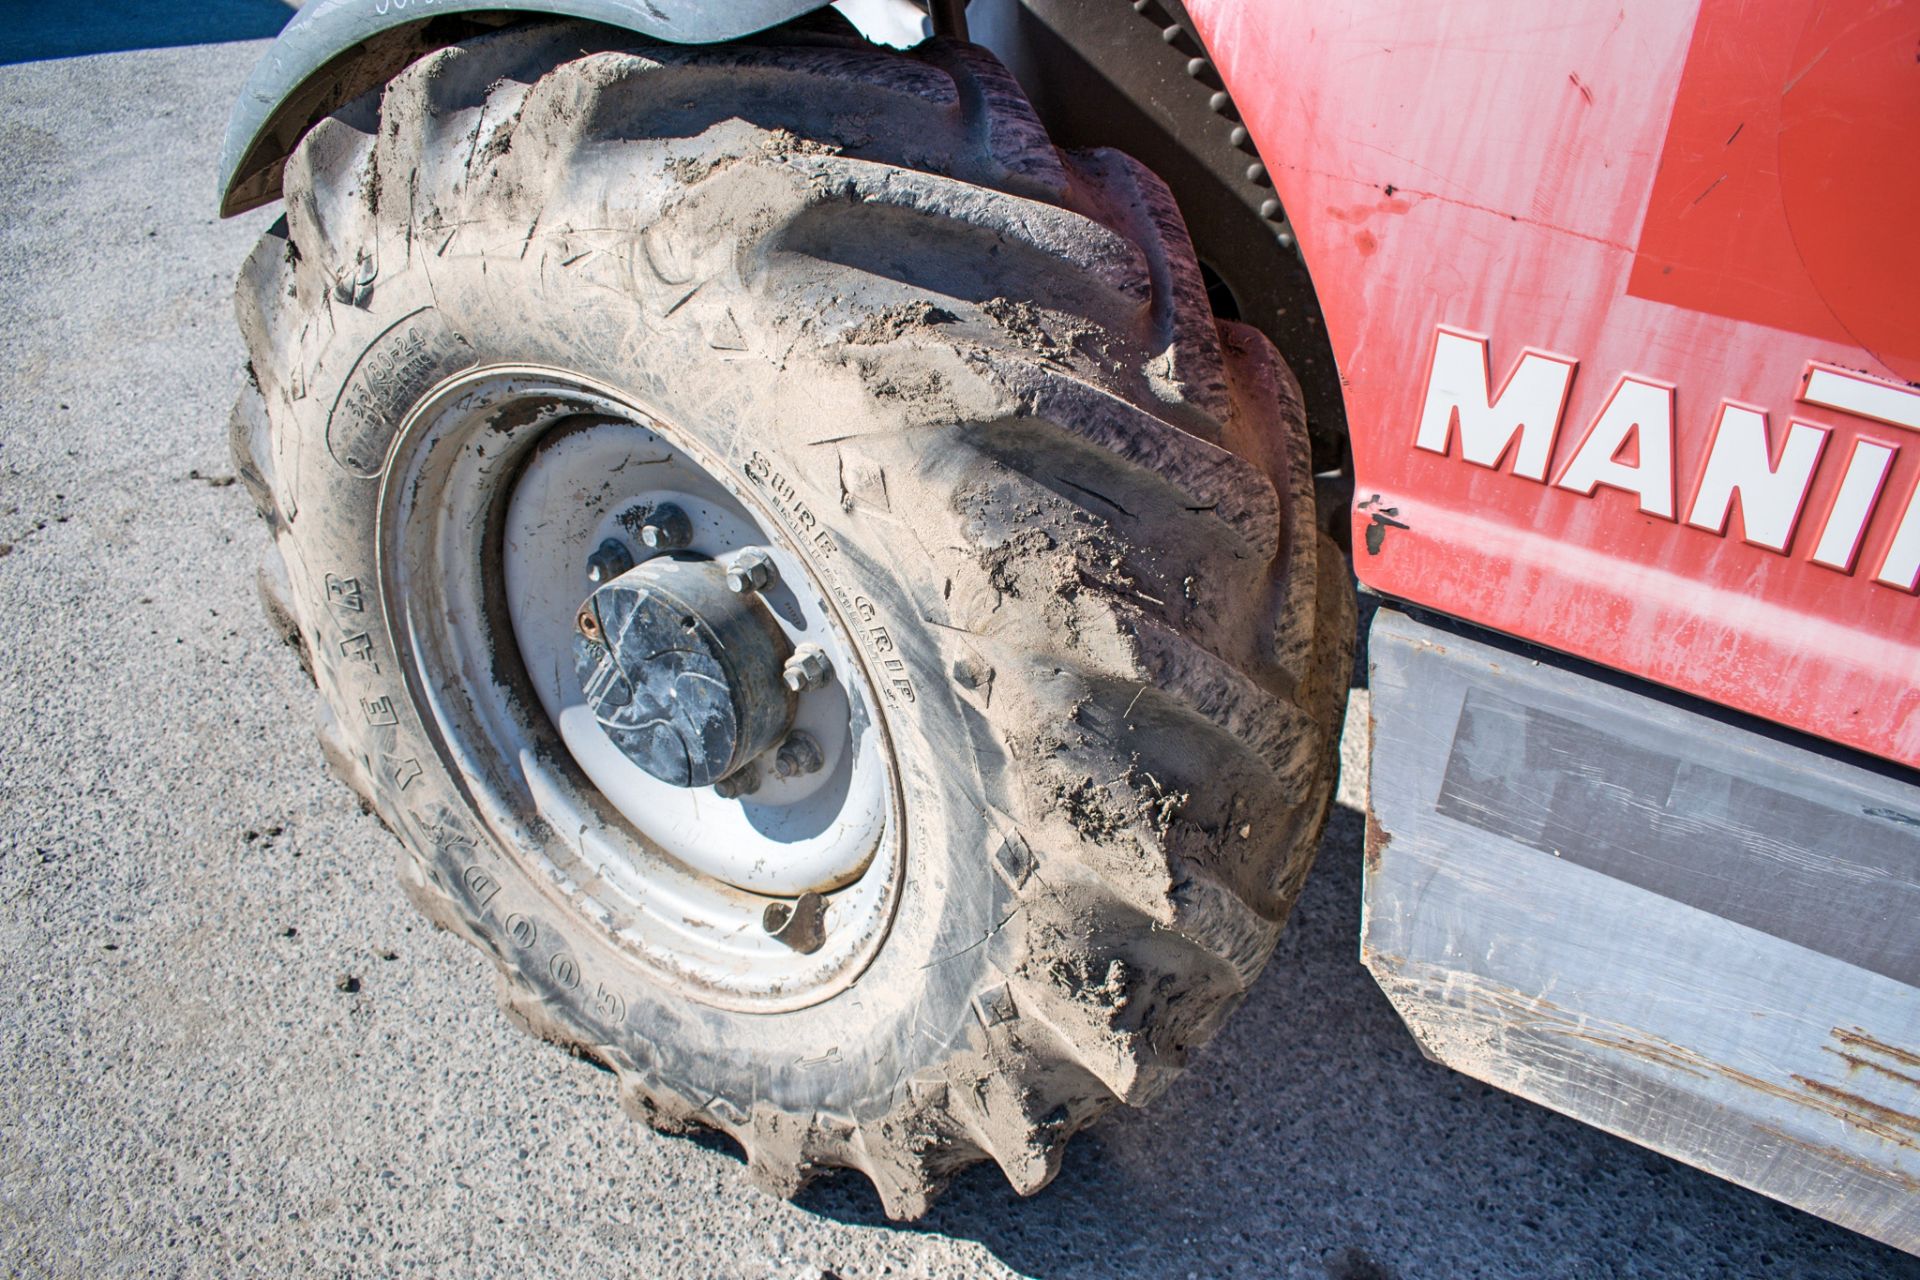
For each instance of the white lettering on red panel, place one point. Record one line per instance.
(1637, 416)
(1460, 401)
(1740, 461)
(1628, 446)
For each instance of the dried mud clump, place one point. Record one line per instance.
(897, 322)
(777, 144)
(1026, 324)
(1011, 564)
(1102, 811)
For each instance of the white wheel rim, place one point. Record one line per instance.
(531, 470)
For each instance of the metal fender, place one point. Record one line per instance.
(333, 50)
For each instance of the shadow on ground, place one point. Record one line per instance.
(1312, 1139)
(35, 30)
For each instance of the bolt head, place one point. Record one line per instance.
(743, 781)
(608, 561)
(751, 570)
(808, 668)
(797, 756)
(667, 528)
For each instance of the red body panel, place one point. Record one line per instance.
(1712, 201)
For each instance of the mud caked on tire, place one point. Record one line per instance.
(966, 390)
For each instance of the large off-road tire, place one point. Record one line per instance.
(968, 389)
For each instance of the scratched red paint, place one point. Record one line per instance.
(1547, 158)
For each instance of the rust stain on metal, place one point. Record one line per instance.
(1882, 1122)
(1378, 838)
(1908, 1184)
(1857, 1063)
(1865, 1106)
(1855, 1038)
(1658, 1052)
(1485, 1001)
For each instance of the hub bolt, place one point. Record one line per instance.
(808, 668)
(743, 781)
(797, 756)
(667, 528)
(751, 570)
(609, 561)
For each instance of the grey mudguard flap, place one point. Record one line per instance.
(280, 95)
(1686, 932)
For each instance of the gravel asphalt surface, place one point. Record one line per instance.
(228, 1046)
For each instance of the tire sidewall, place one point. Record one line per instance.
(932, 981)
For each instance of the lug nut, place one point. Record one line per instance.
(743, 781)
(751, 570)
(808, 668)
(667, 528)
(797, 756)
(609, 561)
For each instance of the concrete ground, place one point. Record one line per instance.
(228, 1046)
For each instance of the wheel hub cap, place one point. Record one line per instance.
(683, 674)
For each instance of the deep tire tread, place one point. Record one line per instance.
(1120, 356)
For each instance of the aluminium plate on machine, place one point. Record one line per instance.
(1679, 927)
